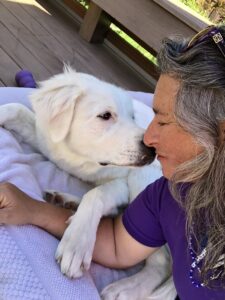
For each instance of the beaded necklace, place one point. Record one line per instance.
(196, 262)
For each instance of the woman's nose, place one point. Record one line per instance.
(150, 136)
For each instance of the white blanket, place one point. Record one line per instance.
(27, 266)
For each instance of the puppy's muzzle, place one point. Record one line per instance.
(144, 156)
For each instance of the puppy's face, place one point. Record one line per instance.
(91, 118)
(104, 130)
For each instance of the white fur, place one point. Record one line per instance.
(67, 127)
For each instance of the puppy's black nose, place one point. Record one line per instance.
(103, 163)
(148, 154)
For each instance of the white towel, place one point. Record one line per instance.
(27, 266)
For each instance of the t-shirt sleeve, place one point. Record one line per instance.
(141, 217)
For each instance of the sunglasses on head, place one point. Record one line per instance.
(209, 32)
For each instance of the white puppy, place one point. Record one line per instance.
(87, 127)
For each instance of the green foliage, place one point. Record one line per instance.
(85, 3)
(213, 10)
(193, 4)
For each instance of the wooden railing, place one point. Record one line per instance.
(146, 21)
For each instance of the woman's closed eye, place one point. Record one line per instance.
(162, 123)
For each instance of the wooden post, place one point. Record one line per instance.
(95, 24)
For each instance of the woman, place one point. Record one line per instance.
(185, 208)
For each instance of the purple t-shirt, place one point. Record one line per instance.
(155, 218)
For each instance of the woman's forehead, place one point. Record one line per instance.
(165, 95)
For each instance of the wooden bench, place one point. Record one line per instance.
(149, 20)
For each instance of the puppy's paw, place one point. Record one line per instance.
(5, 115)
(120, 290)
(53, 197)
(74, 253)
(135, 287)
(11, 113)
(61, 199)
(142, 285)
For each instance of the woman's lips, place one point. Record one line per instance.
(160, 157)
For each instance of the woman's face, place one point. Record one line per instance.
(172, 143)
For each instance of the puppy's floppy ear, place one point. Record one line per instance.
(54, 108)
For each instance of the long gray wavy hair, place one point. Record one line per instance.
(199, 109)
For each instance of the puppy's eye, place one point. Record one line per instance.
(105, 116)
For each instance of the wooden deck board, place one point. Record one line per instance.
(14, 20)
(71, 48)
(34, 20)
(7, 68)
(13, 45)
(41, 41)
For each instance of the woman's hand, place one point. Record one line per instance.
(16, 208)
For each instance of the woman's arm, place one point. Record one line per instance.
(17, 208)
(114, 246)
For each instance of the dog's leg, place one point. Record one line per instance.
(146, 284)
(18, 118)
(74, 252)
